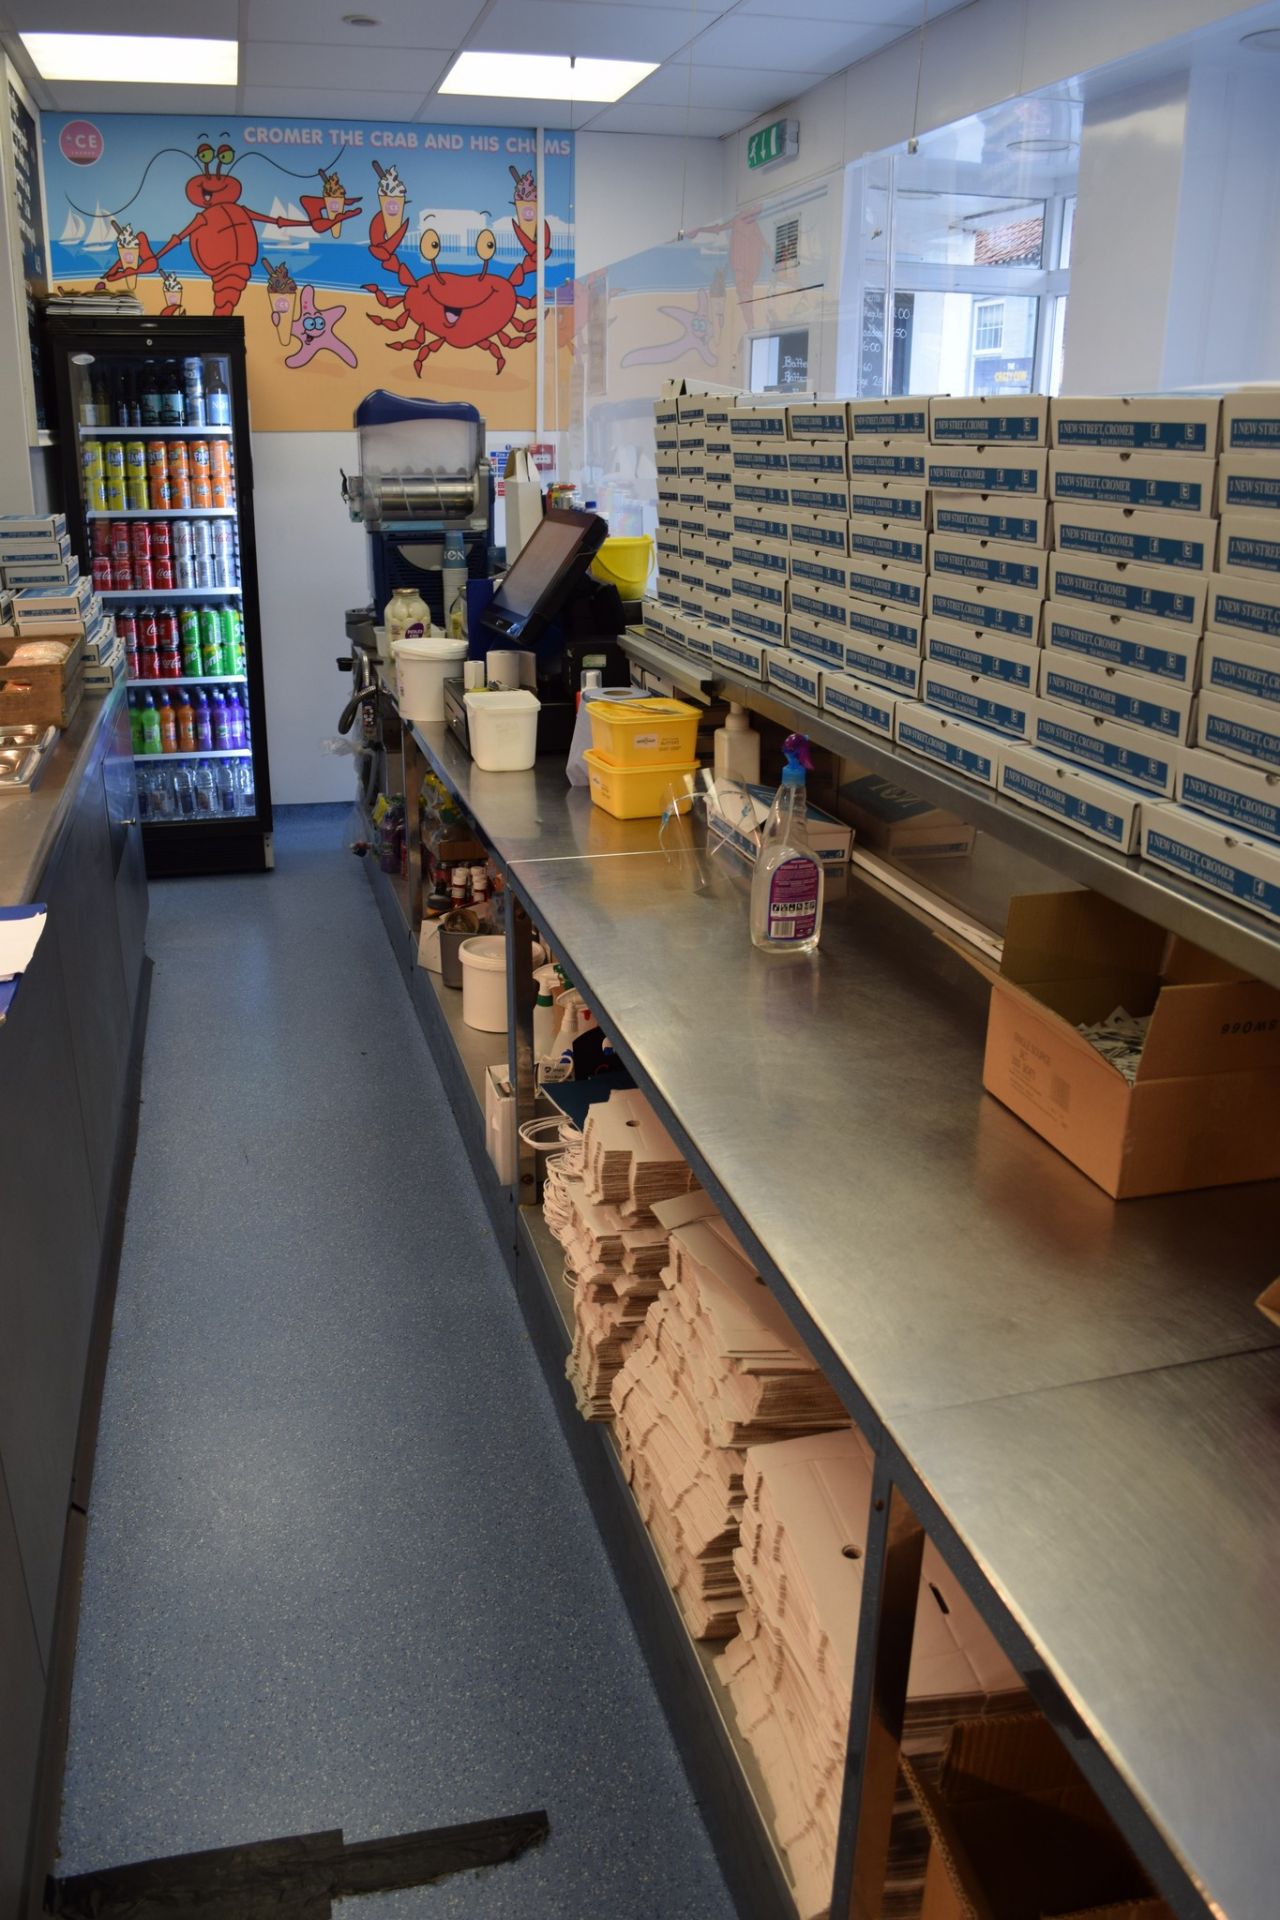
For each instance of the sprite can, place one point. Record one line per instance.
(210, 640)
(189, 641)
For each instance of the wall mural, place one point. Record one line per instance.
(359, 255)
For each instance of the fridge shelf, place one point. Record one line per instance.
(170, 593)
(153, 433)
(195, 680)
(160, 513)
(196, 753)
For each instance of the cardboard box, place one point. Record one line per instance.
(1244, 797)
(889, 540)
(717, 523)
(991, 563)
(1016, 1831)
(740, 654)
(953, 743)
(818, 420)
(795, 675)
(881, 581)
(860, 703)
(41, 693)
(1136, 646)
(1209, 1075)
(1172, 423)
(761, 523)
(1129, 533)
(975, 650)
(17, 550)
(751, 420)
(1163, 482)
(758, 459)
(888, 500)
(667, 542)
(19, 574)
(984, 516)
(975, 604)
(1020, 471)
(1251, 421)
(1249, 543)
(904, 417)
(763, 493)
(1230, 664)
(18, 527)
(755, 622)
(990, 419)
(818, 569)
(1108, 746)
(1135, 699)
(812, 528)
(1250, 481)
(1100, 808)
(898, 460)
(765, 556)
(817, 493)
(693, 466)
(1241, 728)
(886, 624)
(1168, 594)
(830, 839)
(891, 820)
(974, 697)
(819, 603)
(760, 586)
(1246, 871)
(50, 610)
(828, 458)
(1247, 606)
(882, 663)
(816, 639)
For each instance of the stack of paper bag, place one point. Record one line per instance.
(790, 1670)
(715, 1366)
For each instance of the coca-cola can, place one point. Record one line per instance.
(143, 573)
(127, 627)
(120, 542)
(122, 572)
(160, 539)
(162, 573)
(167, 630)
(102, 574)
(148, 632)
(140, 537)
(101, 536)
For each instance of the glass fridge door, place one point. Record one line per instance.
(158, 487)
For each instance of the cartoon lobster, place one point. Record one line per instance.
(223, 236)
(445, 308)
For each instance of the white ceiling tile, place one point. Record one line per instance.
(738, 88)
(219, 21)
(93, 96)
(705, 9)
(707, 122)
(479, 110)
(790, 44)
(323, 103)
(402, 23)
(270, 63)
(902, 14)
(563, 26)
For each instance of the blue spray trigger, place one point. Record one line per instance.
(799, 760)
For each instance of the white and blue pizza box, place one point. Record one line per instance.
(1136, 646)
(1166, 594)
(818, 420)
(992, 563)
(818, 493)
(1018, 472)
(1020, 420)
(764, 493)
(1249, 482)
(51, 610)
(904, 546)
(760, 586)
(886, 623)
(974, 604)
(1089, 802)
(796, 674)
(41, 573)
(979, 516)
(816, 639)
(1215, 856)
(816, 568)
(1251, 420)
(748, 421)
(1142, 423)
(763, 522)
(1247, 798)
(882, 663)
(880, 580)
(27, 549)
(1158, 482)
(812, 528)
(1134, 699)
(759, 459)
(765, 624)
(824, 603)
(32, 526)
(752, 550)
(1131, 533)
(1138, 759)
(827, 458)
(740, 653)
(904, 417)
(1234, 663)
(1249, 543)
(1247, 606)
(975, 650)
(1242, 728)
(976, 698)
(859, 702)
(888, 460)
(874, 499)
(953, 743)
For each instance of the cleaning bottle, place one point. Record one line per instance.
(737, 748)
(786, 888)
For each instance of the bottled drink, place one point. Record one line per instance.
(235, 720)
(168, 724)
(184, 793)
(172, 405)
(142, 786)
(246, 799)
(184, 714)
(150, 724)
(206, 789)
(135, 724)
(217, 399)
(189, 640)
(161, 790)
(101, 399)
(228, 793)
(218, 720)
(210, 641)
(89, 406)
(204, 726)
(149, 395)
(193, 391)
(130, 409)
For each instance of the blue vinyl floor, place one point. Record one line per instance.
(340, 1570)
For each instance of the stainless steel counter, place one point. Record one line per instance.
(30, 822)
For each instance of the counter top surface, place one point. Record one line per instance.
(30, 821)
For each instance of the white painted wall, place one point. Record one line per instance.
(629, 189)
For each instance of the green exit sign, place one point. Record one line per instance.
(781, 141)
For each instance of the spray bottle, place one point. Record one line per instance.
(786, 888)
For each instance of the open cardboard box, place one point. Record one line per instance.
(1202, 1110)
(1018, 1833)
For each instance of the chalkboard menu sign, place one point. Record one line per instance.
(30, 218)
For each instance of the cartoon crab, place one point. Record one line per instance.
(454, 309)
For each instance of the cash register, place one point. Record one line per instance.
(560, 621)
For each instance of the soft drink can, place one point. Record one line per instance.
(95, 493)
(167, 630)
(189, 639)
(180, 541)
(180, 492)
(103, 578)
(160, 539)
(131, 665)
(122, 580)
(137, 497)
(162, 573)
(179, 458)
(158, 473)
(140, 539)
(220, 457)
(224, 553)
(219, 490)
(135, 459)
(143, 573)
(113, 457)
(202, 554)
(113, 488)
(201, 488)
(148, 632)
(200, 457)
(210, 640)
(229, 622)
(184, 574)
(91, 460)
(121, 542)
(127, 628)
(100, 537)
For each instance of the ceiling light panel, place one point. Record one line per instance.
(138, 59)
(543, 76)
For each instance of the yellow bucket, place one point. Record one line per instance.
(656, 732)
(625, 563)
(632, 793)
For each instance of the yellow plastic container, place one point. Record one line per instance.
(625, 562)
(633, 793)
(644, 733)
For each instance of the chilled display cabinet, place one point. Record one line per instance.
(153, 426)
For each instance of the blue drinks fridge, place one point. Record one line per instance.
(153, 427)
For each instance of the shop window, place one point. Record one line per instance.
(780, 361)
(988, 326)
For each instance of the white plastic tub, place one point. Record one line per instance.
(422, 667)
(503, 730)
(484, 980)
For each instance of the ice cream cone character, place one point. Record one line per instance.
(391, 197)
(282, 291)
(172, 296)
(335, 195)
(525, 198)
(127, 251)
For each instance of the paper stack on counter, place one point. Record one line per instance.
(715, 1366)
(630, 1159)
(790, 1670)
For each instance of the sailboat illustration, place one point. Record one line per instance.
(275, 236)
(101, 237)
(75, 229)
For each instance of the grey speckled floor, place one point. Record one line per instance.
(340, 1571)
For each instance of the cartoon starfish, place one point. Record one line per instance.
(695, 327)
(314, 329)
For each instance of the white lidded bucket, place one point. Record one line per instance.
(422, 667)
(484, 980)
(503, 730)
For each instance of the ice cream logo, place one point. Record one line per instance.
(127, 253)
(525, 199)
(282, 292)
(391, 197)
(172, 296)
